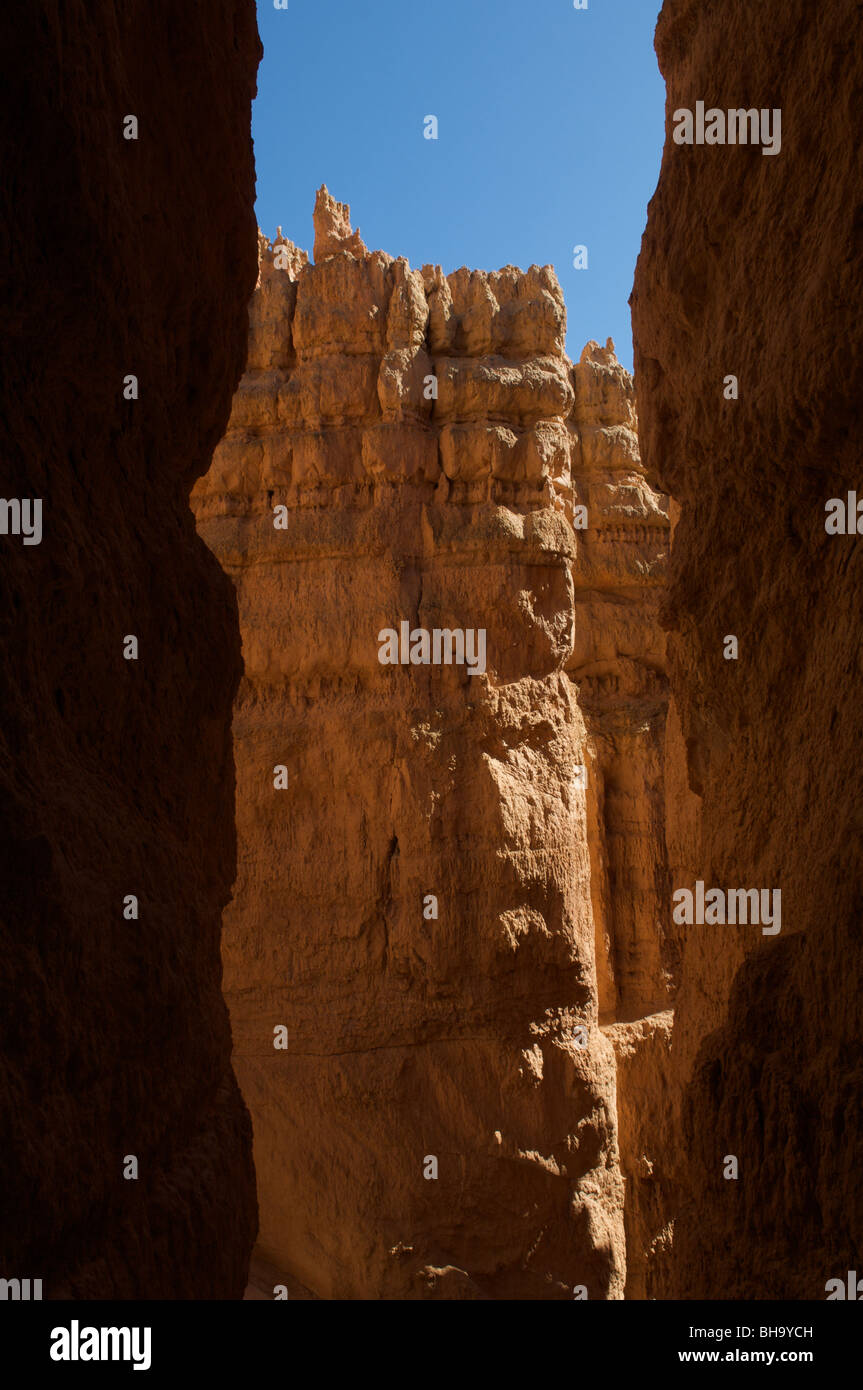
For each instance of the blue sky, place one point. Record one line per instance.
(551, 125)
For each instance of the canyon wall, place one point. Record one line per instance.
(126, 257)
(431, 860)
(751, 267)
(618, 664)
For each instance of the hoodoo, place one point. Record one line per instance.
(438, 904)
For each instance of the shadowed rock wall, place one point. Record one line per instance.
(116, 777)
(751, 266)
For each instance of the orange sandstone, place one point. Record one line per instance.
(439, 906)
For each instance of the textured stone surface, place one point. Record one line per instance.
(455, 1037)
(116, 777)
(644, 1108)
(618, 662)
(752, 266)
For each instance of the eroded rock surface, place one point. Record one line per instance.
(751, 266)
(618, 662)
(124, 257)
(430, 445)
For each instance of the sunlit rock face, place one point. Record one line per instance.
(618, 665)
(751, 269)
(432, 896)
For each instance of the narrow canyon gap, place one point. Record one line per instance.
(548, 807)
(126, 256)
(411, 1037)
(409, 446)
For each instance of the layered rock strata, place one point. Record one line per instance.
(128, 257)
(416, 901)
(618, 664)
(751, 269)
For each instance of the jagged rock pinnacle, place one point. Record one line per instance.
(333, 232)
